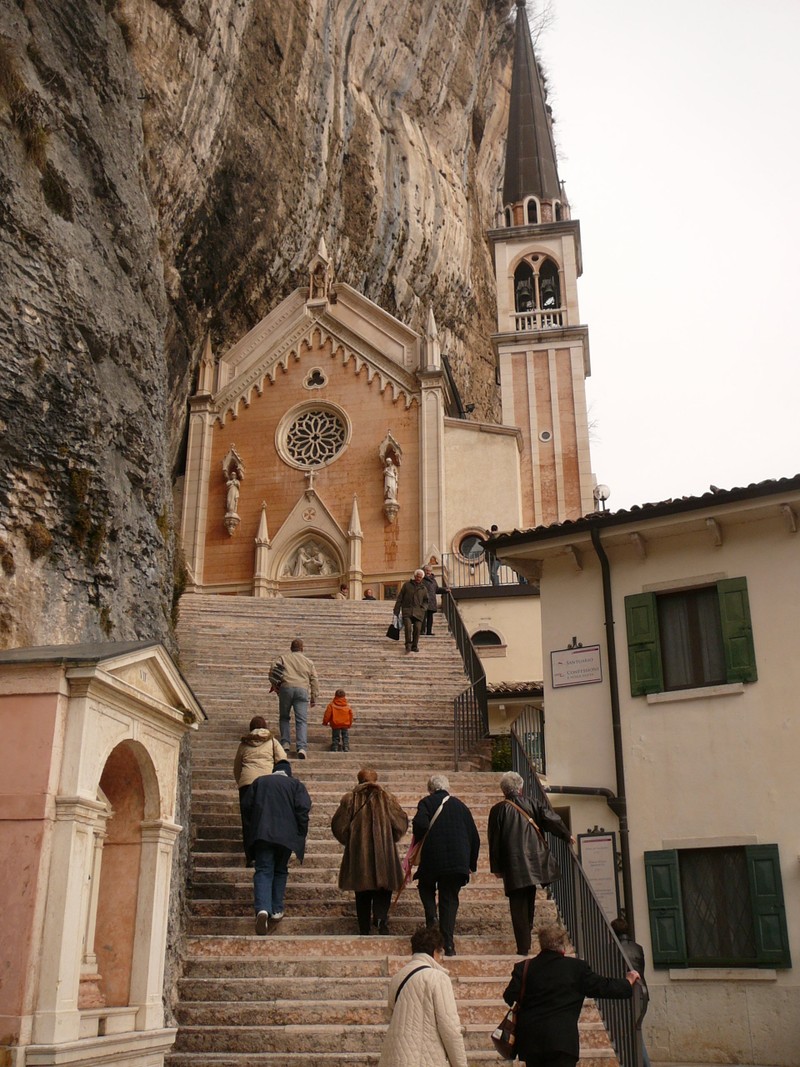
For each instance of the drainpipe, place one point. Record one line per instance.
(619, 805)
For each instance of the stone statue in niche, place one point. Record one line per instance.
(310, 561)
(390, 480)
(233, 473)
(232, 500)
(391, 455)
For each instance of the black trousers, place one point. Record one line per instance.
(552, 1059)
(427, 626)
(372, 905)
(412, 629)
(521, 903)
(448, 886)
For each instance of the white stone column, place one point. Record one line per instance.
(431, 427)
(262, 586)
(152, 909)
(194, 518)
(57, 1018)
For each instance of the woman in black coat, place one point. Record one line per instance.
(555, 988)
(517, 852)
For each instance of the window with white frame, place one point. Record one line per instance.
(690, 638)
(717, 907)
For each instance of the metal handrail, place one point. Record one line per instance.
(470, 572)
(470, 708)
(589, 929)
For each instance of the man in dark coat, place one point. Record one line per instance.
(433, 587)
(277, 807)
(449, 854)
(517, 852)
(555, 988)
(412, 601)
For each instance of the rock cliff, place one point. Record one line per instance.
(167, 170)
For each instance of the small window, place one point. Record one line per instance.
(717, 907)
(690, 639)
(532, 210)
(524, 289)
(549, 288)
(508, 216)
(486, 639)
(471, 547)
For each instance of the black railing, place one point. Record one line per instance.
(529, 725)
(470, 708)
(463, 572)
(588, 927)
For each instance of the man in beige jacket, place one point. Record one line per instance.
(299, 689)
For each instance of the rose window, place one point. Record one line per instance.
(315, 437)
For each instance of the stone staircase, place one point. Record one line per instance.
(314, 993)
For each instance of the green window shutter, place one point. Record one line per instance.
(769, 912)
(644, 649)
(666, 908)
(737, 632)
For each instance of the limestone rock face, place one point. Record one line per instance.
(167, 170)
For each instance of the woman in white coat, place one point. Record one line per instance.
(424, 1030)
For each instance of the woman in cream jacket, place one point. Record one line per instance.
(424, 1030)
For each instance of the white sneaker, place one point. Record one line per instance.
(277, 916)
(261, 922)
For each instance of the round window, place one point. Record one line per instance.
(312, 436)
(470, 547)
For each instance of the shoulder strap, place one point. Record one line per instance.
(525, 815)
(422, 967)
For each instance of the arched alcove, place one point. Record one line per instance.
(115, 929)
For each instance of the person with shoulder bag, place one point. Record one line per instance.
(424, 1029)
(519, 853)
(257, 754)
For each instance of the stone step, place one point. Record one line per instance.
(304, 1041)
(342, 945)
(318, 968)
(342, 923)
(589, 1058)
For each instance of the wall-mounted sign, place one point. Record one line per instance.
(598, 856)
(576, 666)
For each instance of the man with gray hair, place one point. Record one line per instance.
(412, 601)
(517, 852)
(449, 854)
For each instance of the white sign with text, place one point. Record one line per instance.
(576, 666)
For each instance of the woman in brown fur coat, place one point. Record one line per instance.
(369, 822)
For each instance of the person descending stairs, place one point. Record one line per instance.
(313, 991)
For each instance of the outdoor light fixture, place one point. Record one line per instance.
(601, 493)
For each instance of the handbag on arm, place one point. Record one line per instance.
(504, 1037)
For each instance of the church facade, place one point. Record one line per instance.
(328, 447)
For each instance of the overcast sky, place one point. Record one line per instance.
(677, 127)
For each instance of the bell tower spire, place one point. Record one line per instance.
(531, 188)
(541, 347)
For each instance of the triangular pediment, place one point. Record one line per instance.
(357, 329)
(152, 675)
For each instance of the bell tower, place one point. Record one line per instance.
(542, 351)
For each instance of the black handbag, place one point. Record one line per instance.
(393, 631)
(504, 1037)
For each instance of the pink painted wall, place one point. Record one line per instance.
(28, 727)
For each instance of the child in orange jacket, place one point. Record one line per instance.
(339, 716)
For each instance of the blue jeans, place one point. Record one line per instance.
(270, 876)
(341, 739)
(292, 696)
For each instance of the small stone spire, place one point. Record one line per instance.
(531, 167)
(205, 378)
(433, 348)
(262, 537)
(354, 529)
